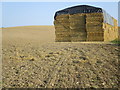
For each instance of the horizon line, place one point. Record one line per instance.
(24, 26)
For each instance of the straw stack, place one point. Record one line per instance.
(110, 32)
(84, 27)
(94, 26)
(78, 27)
(115, 28)
(62, 28)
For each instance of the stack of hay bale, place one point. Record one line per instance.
(77, 27)
(84, 23)
(70, 28)
(94, 26)
(62, 28)
(110, 31)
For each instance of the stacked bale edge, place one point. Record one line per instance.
(78, 27)
(70, 28)
(62, 28)
(94, 27)
(110, 31)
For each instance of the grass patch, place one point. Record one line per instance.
(116, 41)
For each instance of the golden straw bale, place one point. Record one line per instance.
(94, 14)
(78, 29)
(76, 15)
(62, 16)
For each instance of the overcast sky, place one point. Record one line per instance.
(42, 13)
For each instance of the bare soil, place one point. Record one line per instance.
(31, 61)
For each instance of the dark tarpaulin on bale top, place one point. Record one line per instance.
(86, 9)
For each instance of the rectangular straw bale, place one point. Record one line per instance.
(62, 29)
(108, 36)
(95, 38)
(94, 17)
(60, 23)
(78, 34)
(62, 19)
(94, 20)
(77, 23)
(78, 29)
(72, 26)
(64, 24)
(62, 16)
(76, 15)
(62, 35)
(77, 20)
(94, 14)
(78, 39)
(61, 26)
(94, 30)
(95, 33)
(96, 27)
(65, 37)
(62, 39)
(93, 25)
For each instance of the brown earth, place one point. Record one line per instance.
(31, 59)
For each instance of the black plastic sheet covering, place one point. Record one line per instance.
(86, 9)
(79, 9)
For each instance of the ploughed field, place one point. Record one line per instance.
(31, 59)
